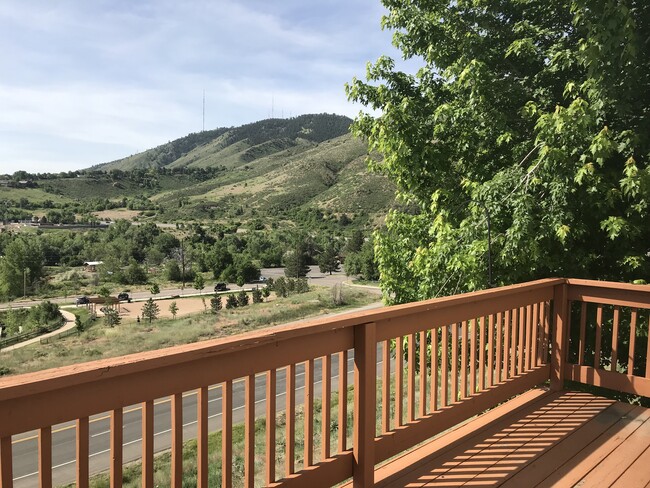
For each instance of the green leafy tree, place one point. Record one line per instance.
(111, 317)
(78, 324)
(242, 298)
(328, 260)
(531, 115)
(150, 310)
(173, 309)
(215, 304)
(154, 289)
(21, 266)
(199, 282)
(257, 295)
(296, 259)
(231, 301)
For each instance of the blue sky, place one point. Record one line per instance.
(86, 82)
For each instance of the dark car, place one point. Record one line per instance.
(221, 286)
(84, 300)
(123, 297)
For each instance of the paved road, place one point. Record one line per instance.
(25, 447)
(315, 277)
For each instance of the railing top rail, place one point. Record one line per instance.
(613, 285)
(68, 376)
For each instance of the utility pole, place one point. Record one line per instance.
(182, 264)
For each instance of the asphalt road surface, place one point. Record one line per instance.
(25, 447)
(314, 277)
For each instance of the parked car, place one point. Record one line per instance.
(124, 297)
(221, 286)
(84, 300)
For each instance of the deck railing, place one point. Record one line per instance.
(418, 369)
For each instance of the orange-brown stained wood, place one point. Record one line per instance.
(632, 347)
(647, 366)
(177, 440)
(226, 434)
(410, 394)
(496, 368)
(83, 452)
(271, 381)
(444, 373)
(481, 355)
(116, 448)
(45, 457)
(399, 375)
(454, 362)
(343, 402)
(506, 345)
(529, 337)
(522, 344)
(615, 325)
(202, 438)
(309, 414)
(560, 336)
(6, 463)
(365, 366)
(147, 444)
(326, 379)
(547, 331)
(249, 429)
(514, 342)
(534, 355)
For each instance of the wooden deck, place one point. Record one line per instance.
(540, 438)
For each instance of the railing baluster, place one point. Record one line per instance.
(6, 463)
(630, 352)
(326, 377)
(463, 359)
(522, 332)
(513, 342)
(499, 346)
(547, 330)
(270, 425)
(399, 375)
(583, 333)
(147, 444)
(290, 396)
(472, 358)
(343, 402)
(202, 437)
(365, 391)
(177, 440)
(535, 338)
(444, 375)
(83, 442)
(529, 337)
(45, 457)
(506, 346)
(491, 380)
(647, 354)
(599, 331)
(116, 448)
(423, 374)
(226, 434)
(385, 390)
(309, 414)
(614, 359)
(454, 363)
(410, 400)
(481, 355)
(249, 429)
(434, 370)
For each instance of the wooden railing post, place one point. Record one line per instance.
(365, 379)
(560, 335)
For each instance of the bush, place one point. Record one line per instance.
(242, 298)
(257, 296)
(215, 304)
(232, 302)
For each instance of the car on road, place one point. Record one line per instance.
(84, 300)
(124, 297)
(221, 286)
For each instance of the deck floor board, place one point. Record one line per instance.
(560, 439)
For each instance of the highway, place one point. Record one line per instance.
(25, 447)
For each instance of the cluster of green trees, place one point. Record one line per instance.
(530, 117)
(25, 320)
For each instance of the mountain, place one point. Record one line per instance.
(232, 147)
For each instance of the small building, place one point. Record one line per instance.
(92, 265)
